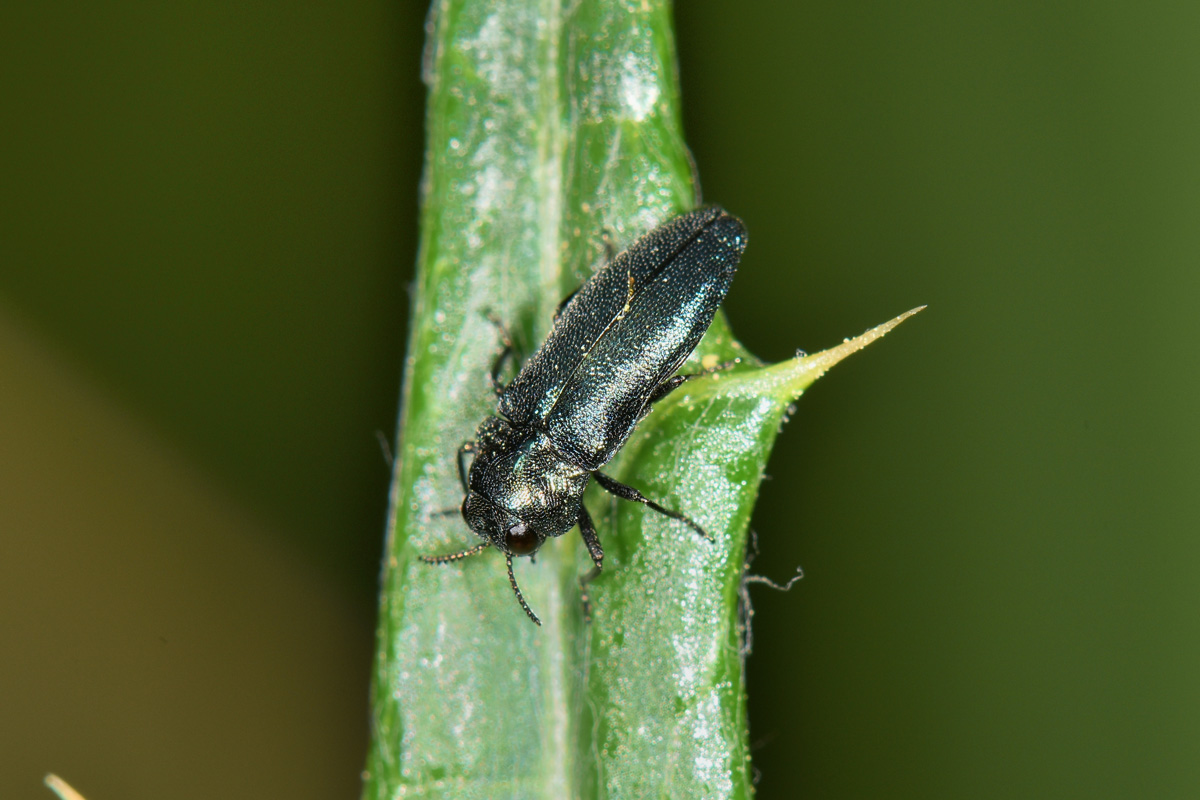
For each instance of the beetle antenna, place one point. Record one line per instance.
(520, 598)
(452, 557)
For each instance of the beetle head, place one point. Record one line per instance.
(502, 528)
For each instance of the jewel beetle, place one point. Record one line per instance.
(611, 353)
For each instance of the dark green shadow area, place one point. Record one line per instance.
(211, 207)
(997, 515)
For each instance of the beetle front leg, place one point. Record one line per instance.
(508, 352)
(467, 448)
(498, 366)
(629, 493)
(505, 354)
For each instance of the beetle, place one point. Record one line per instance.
(611, 354)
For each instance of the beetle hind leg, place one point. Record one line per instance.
(587, 529)
(668, 386)
(629, 493)
(673, 383)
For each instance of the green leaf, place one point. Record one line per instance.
(666, 654)
(549, 125)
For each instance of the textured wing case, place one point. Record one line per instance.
(624, 333)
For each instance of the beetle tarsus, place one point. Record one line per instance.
(587, 529)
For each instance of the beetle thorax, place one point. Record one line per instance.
(522, 480)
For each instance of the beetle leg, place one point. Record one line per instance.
(467, 447)
(630, 493)
(505, 354)
(497, 386)
(671, 384)
(668, 386)
(558, 311)
(588, 530)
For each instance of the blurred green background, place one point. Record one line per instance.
(207, 227)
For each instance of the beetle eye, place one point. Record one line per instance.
(521, 540)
